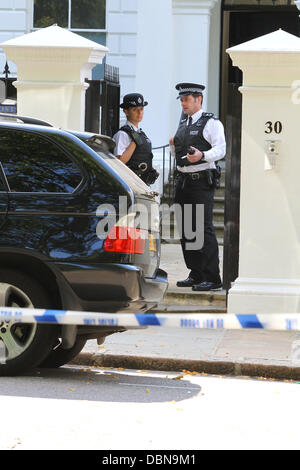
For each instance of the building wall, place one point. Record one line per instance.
(154, 66)
(122, 40)
(15, 16)
(155, 44)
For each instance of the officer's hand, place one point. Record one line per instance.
(195, 157)
(171, 141)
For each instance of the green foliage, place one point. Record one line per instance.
(48, 12)
(85, 14)
(88, 14)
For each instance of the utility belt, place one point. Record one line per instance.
(145, 171)
(212, 176)
(195, 175)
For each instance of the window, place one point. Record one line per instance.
(32, 163)
(84, 17)
(72, 14)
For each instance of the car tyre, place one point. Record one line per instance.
(59, 356)
(23, 345)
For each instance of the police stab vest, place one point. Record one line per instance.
(192, 135)
(143, 152)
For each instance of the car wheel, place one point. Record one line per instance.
(59, 356)
(23, 345)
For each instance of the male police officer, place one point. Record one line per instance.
(199, 142)
(132, 145)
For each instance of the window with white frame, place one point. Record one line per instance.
(84, 17)
(71, 14)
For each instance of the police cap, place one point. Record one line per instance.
(186, 89)
(132, 100)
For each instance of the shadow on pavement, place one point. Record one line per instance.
(101, 385)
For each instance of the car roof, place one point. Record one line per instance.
(84, 136)
(99, 139)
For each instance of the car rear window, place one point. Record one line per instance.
(123, 170)
(33, 163)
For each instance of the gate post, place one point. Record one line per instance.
(269, 262)
(53, 64)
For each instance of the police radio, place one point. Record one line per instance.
(190, 151)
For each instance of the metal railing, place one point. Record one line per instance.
(166, 173)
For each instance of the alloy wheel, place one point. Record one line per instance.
(15, 337)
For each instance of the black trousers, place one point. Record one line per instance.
(202, 262)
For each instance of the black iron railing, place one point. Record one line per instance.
(166, 173)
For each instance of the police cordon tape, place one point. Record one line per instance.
(268, 321)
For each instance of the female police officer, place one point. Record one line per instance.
(132, 145)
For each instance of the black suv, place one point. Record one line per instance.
(64, 241)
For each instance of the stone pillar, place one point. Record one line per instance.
(52, 66)
(269, 263)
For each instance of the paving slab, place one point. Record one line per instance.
(273, 354)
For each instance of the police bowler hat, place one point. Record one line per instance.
(132, 100)
(186, 89)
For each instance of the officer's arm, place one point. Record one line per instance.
(126, 156)
(124, 146)
(214, 134)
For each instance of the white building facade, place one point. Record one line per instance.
(155, 44)
(159, 43)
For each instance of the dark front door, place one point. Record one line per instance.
(241, 22)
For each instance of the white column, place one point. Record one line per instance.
(121, 40)
(191, 34)
(269, 263)
(153, 77)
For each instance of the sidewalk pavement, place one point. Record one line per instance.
(247, 352)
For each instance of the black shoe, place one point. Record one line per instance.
(207, 285)
(188, 282)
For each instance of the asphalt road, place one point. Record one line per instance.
(101, 409)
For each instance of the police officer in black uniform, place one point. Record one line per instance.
(132, 145)
(199, 143)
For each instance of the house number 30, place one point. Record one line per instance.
(270, 127)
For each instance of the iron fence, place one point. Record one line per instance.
(102, 101)
(166, 163)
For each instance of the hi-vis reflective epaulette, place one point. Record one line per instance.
(267, 321)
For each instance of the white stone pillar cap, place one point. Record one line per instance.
(54, 37)
(254, 52)
(262, 59)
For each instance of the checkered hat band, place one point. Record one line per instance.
(138, 102)
(192, 90)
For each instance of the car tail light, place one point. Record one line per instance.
(125, 240)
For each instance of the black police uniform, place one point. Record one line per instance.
(141, 159)
(195, 188)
